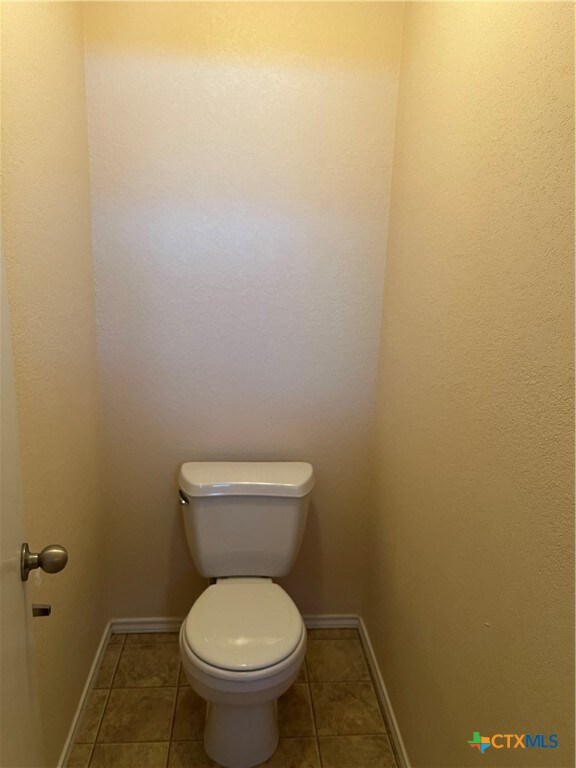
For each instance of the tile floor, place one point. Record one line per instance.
(143, 714)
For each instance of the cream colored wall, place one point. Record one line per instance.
(471, 585)
(46, 230)
(240, 161)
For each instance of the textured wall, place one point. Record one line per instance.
(240, 161)
(470, 599)
(46, 229)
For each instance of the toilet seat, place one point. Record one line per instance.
(243, 625)
(241, 717)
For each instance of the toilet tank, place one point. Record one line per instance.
(245, 518)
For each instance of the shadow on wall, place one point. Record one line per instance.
(311, 35)
(308, 573)
(183, 578)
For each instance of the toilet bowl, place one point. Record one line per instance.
(243, 641)
(242, 645)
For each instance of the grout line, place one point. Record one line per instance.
(134, 644)
(117, 662)
(344, 682)
(143, 688)
(350, 735)
(145, 741)
(313, 713)
(121, 743)
(143, 641)
(172, 726)
(101, 720)
(107, 698)
(173, 718)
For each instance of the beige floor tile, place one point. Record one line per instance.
(151, 637)
(117, 637)
(138, 714)
(333, 634)
(356, 752)
(148, 666)
(340, 660)
(152, 755)
(190, 716)
(108, 666)
(132, 722)
(295, 712)
(345, 709)
(79, 756)
(291, 753)
(189, 754)
(91, 717)
(294, 753)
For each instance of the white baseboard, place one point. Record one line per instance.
(169, 624)
(152, 624)
(383, 697)
(85, 694)
(173, 624)
(331, 621)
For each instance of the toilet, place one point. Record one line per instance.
(244, 640)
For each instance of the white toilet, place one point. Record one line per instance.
(244, 640)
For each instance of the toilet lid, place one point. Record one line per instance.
(243, 624)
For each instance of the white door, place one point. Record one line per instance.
(20, 729)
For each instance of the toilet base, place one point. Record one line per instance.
(241, 737)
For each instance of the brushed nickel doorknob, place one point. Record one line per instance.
(52, 559)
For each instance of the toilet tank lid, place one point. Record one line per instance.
(246, 478)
